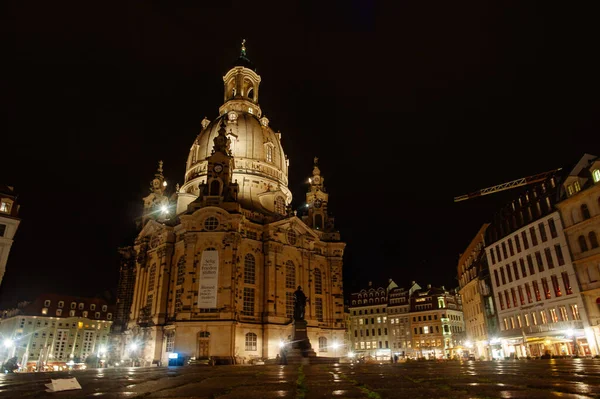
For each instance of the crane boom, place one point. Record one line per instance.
(508, 185)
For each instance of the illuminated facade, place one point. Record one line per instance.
(216, 263)
(55, 330)
(9, 223)
(536, 294)
(477, 298)
(580, 213)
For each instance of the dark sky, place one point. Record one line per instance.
(407, 104)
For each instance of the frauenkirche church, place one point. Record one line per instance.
(213, 270)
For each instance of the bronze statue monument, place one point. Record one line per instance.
(299, 304)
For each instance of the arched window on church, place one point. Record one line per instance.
(280, 205)
(269, 151)
(215, 187)
(249, 269)
(318, 221)
(322, 344)
(290, 275)
(318, 282)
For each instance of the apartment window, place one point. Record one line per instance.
(504, 250)
(534, 318)
(97, 315)
(496, 277)
(518, 243)
(515, 270)
(553, 315)
(4, 207)
(505, 323)
(514, 297)
(582, 244)
(109, 316)
(543, 232)
(519, 323)
(249, 301)
(502, 275)
(319, 308)
(530, 264)
(540, 263)
(528, 292)
(556, 286)
(536, 290)
(567, 283)
(71, 313)
(525, 242)
(290, 274)
(509, 273)
(251, 342)
(512, 323)
(59, 312)
(492, 256)
(318, 282)
(521, 296)
(549, 259)
(523, 269)
(575, 312)
(510, 247)
(507, 299)
(526, 317)
(585, 212)
(552, 227)
(546, 288)
(544, 317)
(596, 175)
(563, 313)
(501, 301)
(534, 240)
(249, 269)
(593, 239)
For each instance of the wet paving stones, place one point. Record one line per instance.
(564, 378)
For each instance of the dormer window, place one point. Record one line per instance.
(104, 307)
(71, 313)
(576, 187)
(5, 206)
(47, 303)
(61, 304)
(58, 312)
(73, 305)
(92, 307)
(109, 316)
(81, 306)
(85, 313)
(596, 175)
(97, 315)
(570, 190)
(250, 111)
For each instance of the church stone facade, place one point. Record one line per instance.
(213, 269)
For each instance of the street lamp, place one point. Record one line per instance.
(8, 342)
(335, 345)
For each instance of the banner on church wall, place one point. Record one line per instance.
(209, 280)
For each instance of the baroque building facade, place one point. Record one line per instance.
(9, 223)
(213, 270)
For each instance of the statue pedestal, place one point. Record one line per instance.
(301, 351)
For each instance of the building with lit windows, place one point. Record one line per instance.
(437, 323)
(368, 324)
(9, 223)
(537, 297)
(475, 289)
(215, 264)
(54, 331)
(580, 214)
(399, 320)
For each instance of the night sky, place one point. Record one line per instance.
(406, 106)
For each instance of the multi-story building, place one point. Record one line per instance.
(399, 320)
(437, 323)
(9, 223)
(476, 293)
(54, 330)
(217, 262)
(580, 214)
(535, 287)
(368, 324)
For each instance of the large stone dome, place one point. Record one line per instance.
(260, 165)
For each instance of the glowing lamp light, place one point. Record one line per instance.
(350, 354)
(164, 209)
(165, 183)
(133, 346)
(468, 344)
(569, 333)
(8, 342)
(335, 345)
(281, 344)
